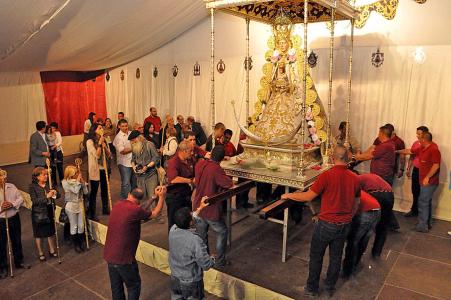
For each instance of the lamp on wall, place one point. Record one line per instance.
(155, 72)
(377, 58)
(175, 70)
(248, 63)
(312, 59)
(196, 71)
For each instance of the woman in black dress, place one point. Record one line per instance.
(42, 218)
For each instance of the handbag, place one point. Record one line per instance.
(64, 219)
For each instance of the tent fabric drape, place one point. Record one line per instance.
(70, 96)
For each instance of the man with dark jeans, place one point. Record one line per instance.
(413, 171)
(180, 173)
(362, 227)
(339, 189)
(382, 191)
(124, 158)
(429, 173)
(210, 180)
(123, 235)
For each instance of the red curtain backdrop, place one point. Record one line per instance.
(71, 96)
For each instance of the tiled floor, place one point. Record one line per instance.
(413, 265)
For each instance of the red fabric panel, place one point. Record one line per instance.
(71, 96)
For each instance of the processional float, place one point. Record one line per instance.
(289, 137)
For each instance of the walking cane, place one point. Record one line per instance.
(3, 175)
(78, 163)
(105, 166)
(49, 170)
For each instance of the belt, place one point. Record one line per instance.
(378, 191)
(338, 224)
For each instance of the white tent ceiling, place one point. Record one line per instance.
(88, 34)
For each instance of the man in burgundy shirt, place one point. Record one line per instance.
(154, 119)
(180, 174)
(122, 238)
(210, 180)
(382, 191)
(229, 148)
(197, 152)
(430, 157)
(413, 166)
(338, 188)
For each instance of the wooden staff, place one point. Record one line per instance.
(105, 166)
(49, 170)
(78, 163)
(8, 237)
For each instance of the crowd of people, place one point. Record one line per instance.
(177, 165)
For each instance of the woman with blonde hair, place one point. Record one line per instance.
(42, 214)
(74, 188)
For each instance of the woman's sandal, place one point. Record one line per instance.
(53, 255)
(42, 258)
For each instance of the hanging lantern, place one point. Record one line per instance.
(107, 76)
(175, 70)
(377, 58)
(248, 63)
(220, 66)
(196, 70)
(138, 73)
(312, 59)
(155, 72)
(122, 75)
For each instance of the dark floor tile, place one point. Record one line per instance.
(66, 290)
(422, 275)
(429, 246)
(390, 292)
(96, 279)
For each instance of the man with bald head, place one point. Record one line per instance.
(339, 190)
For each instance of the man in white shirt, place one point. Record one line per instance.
(124, 158)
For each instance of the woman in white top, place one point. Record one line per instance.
(170, 146)
(87, 126)
(96, 170)
(74, 188)
(55, 142)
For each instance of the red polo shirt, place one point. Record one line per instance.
(429, 156)
(229, 149)
(338, 188)
(210, 180)
(124, 230)
(367, 203)
(372, 182)
(156, 121)
(383, 162)
(177, 167)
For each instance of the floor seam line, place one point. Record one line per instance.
(414, 291)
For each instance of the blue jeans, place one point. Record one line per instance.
(362, 227)
(128, 274)
(220, 228)
(425, 207)
(326, 235)
(127, 180)
(188, 291)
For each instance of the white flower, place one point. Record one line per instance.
(314, 137)
(291, 52)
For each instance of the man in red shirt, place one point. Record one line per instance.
(413, 166)
(229, 148)
(210, 180)
(122, 238)
(338, 188)
(363, 225)
(429, 173)
(180, 174)
(383, 193)
(154, 119)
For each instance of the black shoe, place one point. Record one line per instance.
(3, 273)
(22, 266)
(105, 212)
(80, 242)
(411, 214)
(330, 292)
(75, 243)
(310, 293)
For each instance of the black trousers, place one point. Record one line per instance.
(174, 202)
(56, 157)
(94, 185)
(15, 233)
(386, 200)
(127, 275)
(416, 189)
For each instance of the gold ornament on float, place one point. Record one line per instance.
(220, 67)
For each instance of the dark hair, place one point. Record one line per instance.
(427, 136)
(54, 125)
(92, 135)
(218, 153)
(35, 174)
(110, 122)
(390, 127)
(423, 128)
(99, 121)
(91, 116)
(187, 134)
(137, 193)
(47, 129)
(341, 153)
(146, 129)
(342, 125)
(220, 126)
(40, 125)
(122, 121)
(182, 218)
(228, 131)
(171, 131)
(121, 113)
(385, 131)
